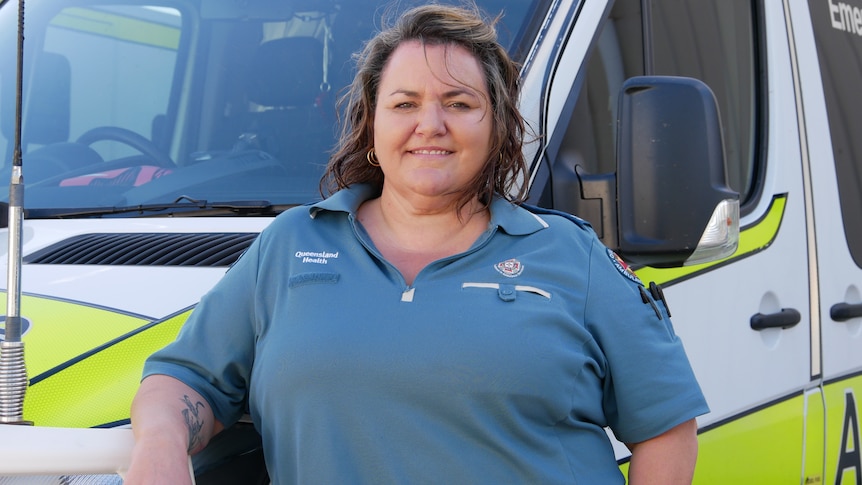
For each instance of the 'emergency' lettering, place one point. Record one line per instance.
(845, 17)
(849, 459)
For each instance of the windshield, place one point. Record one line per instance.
(157, 103)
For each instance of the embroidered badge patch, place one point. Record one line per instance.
(623, 268)
(509, 268)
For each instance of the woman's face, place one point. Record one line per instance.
(432, 123)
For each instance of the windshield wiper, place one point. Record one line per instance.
(185, 205)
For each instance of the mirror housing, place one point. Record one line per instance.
(674, 206)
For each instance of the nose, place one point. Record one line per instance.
(431, 120)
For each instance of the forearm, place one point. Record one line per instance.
(170, 421)
(666, 459)
(171, 412)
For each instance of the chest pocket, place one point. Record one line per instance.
(509, 292)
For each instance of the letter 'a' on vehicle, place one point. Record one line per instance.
(675, 207)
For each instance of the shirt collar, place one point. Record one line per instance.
(512, 219)
(345, 200)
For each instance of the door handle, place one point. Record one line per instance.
(785, 318)
(841, 312)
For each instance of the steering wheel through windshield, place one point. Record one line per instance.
(130, 138)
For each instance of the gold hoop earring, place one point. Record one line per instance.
(372, 158)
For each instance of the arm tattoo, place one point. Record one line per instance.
(194, 422)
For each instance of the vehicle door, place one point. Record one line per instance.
(745, 320)
(829, 48)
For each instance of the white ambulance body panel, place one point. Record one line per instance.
(785, 400)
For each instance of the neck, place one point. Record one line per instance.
(428, 225)
(411, 239)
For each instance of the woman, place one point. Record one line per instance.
(419, 325)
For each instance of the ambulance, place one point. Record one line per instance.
(716, 145)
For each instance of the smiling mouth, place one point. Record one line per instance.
(430, 152)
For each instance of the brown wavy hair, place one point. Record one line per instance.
(434, 24)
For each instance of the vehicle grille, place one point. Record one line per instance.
(153, 249)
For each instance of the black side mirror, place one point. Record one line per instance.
(674, 206)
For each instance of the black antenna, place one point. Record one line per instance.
(13, 372)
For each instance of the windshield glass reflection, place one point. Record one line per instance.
(129, 103)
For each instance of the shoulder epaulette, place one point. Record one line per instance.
(544, 211)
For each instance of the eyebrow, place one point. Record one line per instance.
(448, 94)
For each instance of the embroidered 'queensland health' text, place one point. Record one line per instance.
(316, 257)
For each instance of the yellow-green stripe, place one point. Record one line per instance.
(98, 389)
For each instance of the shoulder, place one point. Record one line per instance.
(297, 218)
(564, 229)
(332, 210)
(605, 257)
(551, 214)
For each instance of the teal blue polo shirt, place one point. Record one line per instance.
(502, 364)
